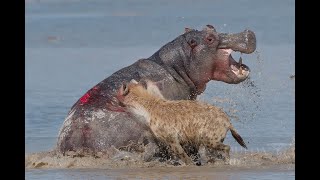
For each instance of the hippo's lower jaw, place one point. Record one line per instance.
(229, 70)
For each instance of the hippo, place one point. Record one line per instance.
(181, 68)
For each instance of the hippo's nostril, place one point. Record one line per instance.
(210, 39)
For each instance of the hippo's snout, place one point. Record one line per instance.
(244, 42)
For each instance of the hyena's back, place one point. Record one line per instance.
(190, 121)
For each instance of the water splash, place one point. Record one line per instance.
(124, 159)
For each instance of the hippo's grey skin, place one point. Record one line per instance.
(97, 122)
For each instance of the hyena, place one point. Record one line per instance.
(177, 123)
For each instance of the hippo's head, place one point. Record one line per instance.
(206, 55)
(211, 55)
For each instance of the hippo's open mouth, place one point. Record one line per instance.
(226, 68)
(229, 70)
(238, 68)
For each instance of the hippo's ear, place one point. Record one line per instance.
(187, 30)
(209, 28)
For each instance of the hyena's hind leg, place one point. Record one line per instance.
(218, 151)
(204, 157)
(179, 153)
(226, 150)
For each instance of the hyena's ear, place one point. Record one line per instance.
(155, 88)
(124, 90)
(143, 82)
(159, 84)
(134, 81)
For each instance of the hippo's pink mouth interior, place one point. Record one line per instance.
(240, 70)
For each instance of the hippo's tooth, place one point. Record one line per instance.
(240, 65)
(228, 51)
(240, 70)
(234, 68)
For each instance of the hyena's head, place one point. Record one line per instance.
(129, 93)
(134, 91)
(135, 98)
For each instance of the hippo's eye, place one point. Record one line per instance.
(192, 43)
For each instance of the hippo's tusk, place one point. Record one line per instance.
(240, 64)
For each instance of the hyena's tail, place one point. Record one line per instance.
(237, 137)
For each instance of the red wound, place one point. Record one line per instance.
(85, 98)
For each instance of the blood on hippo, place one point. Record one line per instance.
(86, 97)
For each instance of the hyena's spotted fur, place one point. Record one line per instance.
(177, 123)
